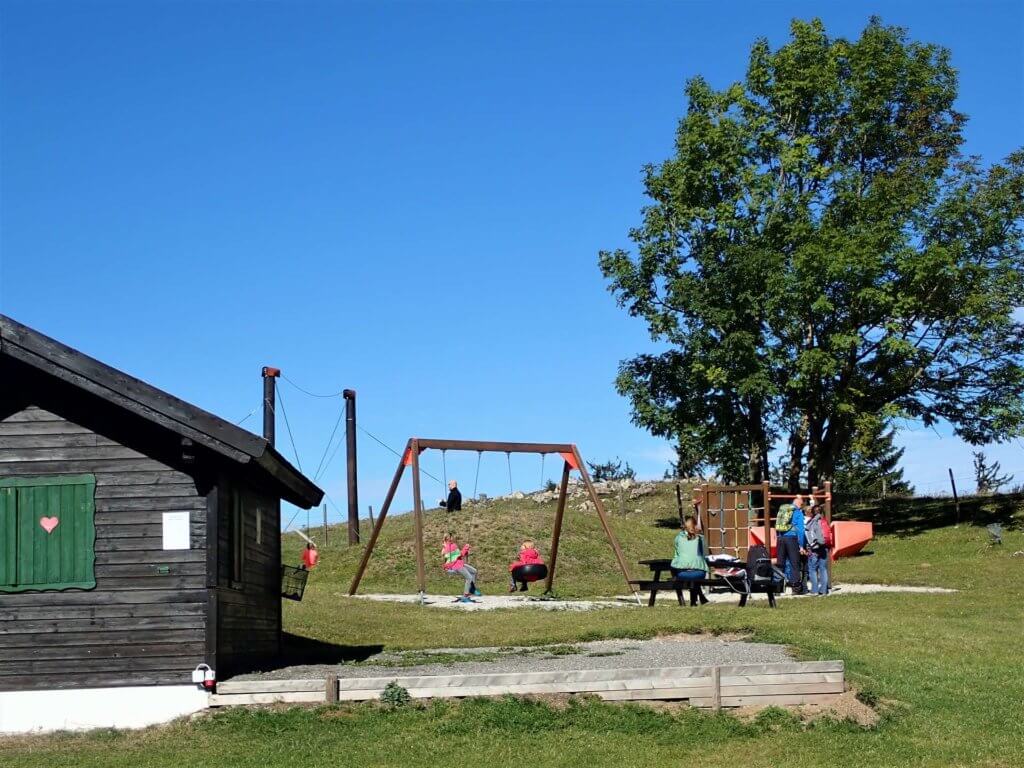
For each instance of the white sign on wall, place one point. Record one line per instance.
(176, 531)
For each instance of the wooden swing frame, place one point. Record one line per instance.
(411, 458)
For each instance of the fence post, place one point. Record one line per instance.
(325, 525)
(371, 515)
(956, 499)
(331, 688)
(716, 689)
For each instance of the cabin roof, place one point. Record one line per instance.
(21, 343)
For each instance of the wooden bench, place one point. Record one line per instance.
(678, 585)
(737, 584)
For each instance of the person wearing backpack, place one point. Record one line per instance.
(819, 542)
(790, 542)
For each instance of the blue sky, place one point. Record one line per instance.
(402, 198)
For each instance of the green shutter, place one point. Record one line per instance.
(65, 557)
(8, 538)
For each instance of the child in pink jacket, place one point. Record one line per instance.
(528, 555)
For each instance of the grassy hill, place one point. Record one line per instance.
(586, 565)
(944, 668)
(916, 544)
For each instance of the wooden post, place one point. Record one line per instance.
(679, 504)
(371, 515)
(956, 499)
(269, 405)
(417, 510)
(376, 528)
(556, 533)
(619, 557)
(766, 515)
(716, 689)
(325, 525)
(828, 522)
(331, 688)
(350, 466)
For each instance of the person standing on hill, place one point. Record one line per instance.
(791, 542)
(454, 502)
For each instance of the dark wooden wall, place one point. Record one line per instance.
(248, 615)
(137, 626)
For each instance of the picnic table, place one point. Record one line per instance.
(738, 584)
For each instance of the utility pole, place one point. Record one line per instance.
(269, 405)
(350, 451)
(956, 499)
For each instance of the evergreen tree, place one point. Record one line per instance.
(870, 464)
(986, 476)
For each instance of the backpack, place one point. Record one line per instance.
(827, 539)
(784, 522)
(759, 564)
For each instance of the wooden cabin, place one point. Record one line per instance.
(139, 538)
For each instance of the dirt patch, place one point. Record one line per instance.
(700, 637)
(847, 707)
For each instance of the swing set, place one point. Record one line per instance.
(572, 460)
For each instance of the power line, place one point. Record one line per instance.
(311, 394)
(327, 447)
(247, 416)
(291, 437)
(374, 437)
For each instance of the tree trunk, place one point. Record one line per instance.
(797, 443)
(815, 452)
(758, 457)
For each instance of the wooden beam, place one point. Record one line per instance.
(417, 509)
(376, 528)
(604, 522)
(491, 446)
(556, 533)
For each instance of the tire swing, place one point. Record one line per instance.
(530, 572)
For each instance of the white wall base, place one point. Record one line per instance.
(85, 708)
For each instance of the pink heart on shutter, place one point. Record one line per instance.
(48, 523)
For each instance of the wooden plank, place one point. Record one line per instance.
(48, 466)
(108, 507)
(145, 490)
(271, 686)
(62, 613)
(775, 690)
(15, 443)
(804, 677)
(180, 661)
(782, 668)
(103, 651)
(71, 627)
(105, 452)
(152, 596)
(656, 694)
(519, 678)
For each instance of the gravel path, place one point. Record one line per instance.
(682, 651)
(493, 602)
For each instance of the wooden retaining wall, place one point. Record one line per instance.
(813, 682)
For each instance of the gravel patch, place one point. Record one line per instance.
(685, 651)
(493, 602)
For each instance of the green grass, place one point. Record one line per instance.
(946, 669)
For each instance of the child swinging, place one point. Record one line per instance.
(455, 563)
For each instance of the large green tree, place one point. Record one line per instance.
(818, 249)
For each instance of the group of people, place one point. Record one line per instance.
(803, 536)
(803, 544)
(455, 562)
(455, 558)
